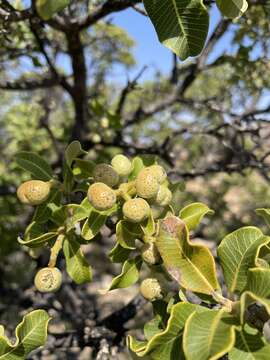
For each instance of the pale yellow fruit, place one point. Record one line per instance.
(48, 279)
(34, 192)
(122, 165)
(158, 172)
(136, 210)
(101, 196)
(150, 253)
(106, 174)
(164, 196)
(151, 289)
(146, 184)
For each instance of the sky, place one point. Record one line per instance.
(148, 51)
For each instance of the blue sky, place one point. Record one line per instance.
(148, 50)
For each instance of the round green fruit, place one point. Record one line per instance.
(105, 174)
(121, 165)
(136, 210)
(150, 253)
(164, 196)
(146, 184)
(48, 280)
(151, 289)
(34, 192)
(101, 196)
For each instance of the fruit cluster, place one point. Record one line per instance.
(138, 194)
(147, 193)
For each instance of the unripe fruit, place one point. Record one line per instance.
(158, 172)
(146, 184)
(48, 279)
(105, 174)
(101, 196)
(150, 254)
(121, 165)
(151, 289)
(164, 196)
(136, 210)
(34, 192)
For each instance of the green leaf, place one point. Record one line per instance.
(181, 25)
(149, 228)
(238, 252)
(30, 334)
(118, 254)
(232, 8)
(43, 211)
(73, 150)
(77, 266)
(137, 166)
(166, 345)
(93, 225)
(258, 290)
(68, 178)
(35, 235)
(79, 213)
(191, 265)
(265, 213)
(153, 327)
(208, 335)
(47, 8)
(127, 233)
(192, 214)
(34, 164)
(129, 275)
(83, 169)
(249, 347)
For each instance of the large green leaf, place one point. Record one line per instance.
(258, 290)
(47, 8)
(208, 335)
(166, 345)
(191, 265)
(129, 275)
(181, 25)
(238, 252)
(34, 164)
(249, 347)
(232, 8)
(192, 214)
(30, 334)
(77, 266)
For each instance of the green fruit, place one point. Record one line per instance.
(158, 172)
(136, 210)
(48, 279)
(34, 192)
(164, 196)
(121, 165)
(101, 196)
(146, 184)
(151, 289)
(150, 254)
(105, 174)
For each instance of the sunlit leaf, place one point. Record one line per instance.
(181, 25)
(192, 214)
(232, 8)
(191, 265)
